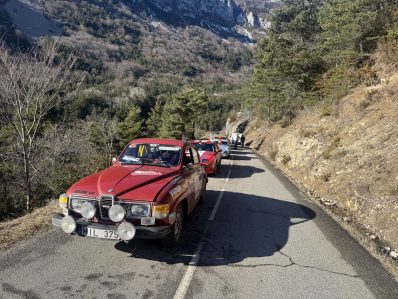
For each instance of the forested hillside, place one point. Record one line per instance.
(317, 50)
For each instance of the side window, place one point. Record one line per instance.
(195, 156)
(187, 157)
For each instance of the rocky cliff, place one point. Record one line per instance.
(218, 15)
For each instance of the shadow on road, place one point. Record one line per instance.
(242, 171)
(245, 226)
(242, 158)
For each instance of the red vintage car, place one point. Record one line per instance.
(210, 155)
(146, 193)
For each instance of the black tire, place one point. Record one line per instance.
(203, 196)
(174, 237)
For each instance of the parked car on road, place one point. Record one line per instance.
(210, 155)
(225, 148)
(146, 193)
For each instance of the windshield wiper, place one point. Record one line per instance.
(132, 163)
(161, 164)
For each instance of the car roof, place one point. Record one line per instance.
(201, 141)
(175, 142)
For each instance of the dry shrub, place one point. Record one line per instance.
(328, 151)
(285, 159)
(273, 153)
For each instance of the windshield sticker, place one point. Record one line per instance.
(177, 189)
(149, 172)
(141, 150)
(169, 148)
(130, 158)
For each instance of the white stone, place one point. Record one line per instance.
(394, 254)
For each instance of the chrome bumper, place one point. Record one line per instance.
(142, 232)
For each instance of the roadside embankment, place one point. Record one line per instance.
(347, 161)
(23, 227)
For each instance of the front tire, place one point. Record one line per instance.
(174, 237)
(203, 196)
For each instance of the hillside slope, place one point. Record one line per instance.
(348, 160)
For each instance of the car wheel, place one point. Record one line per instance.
(174, 237)
(203, 196)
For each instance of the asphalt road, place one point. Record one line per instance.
(256, 236)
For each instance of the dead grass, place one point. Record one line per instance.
(26, 226)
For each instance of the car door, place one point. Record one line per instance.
(218, 153)
(189, 177)
(199, 175)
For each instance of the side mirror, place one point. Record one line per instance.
(187, 167)
(113, 160)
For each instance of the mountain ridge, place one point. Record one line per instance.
(241, 19)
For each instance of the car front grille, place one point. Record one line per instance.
(105, 203)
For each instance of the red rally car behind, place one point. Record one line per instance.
(210, 155)
(146, 193)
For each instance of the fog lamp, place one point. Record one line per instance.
(68, 224)
(87, 210)
(126, 231)
(116, 213)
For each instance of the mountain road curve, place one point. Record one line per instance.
(255, 236)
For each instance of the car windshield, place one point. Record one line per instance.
(151, 154)
(207, 147)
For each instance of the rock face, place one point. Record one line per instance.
(224, 14)
(221, 12)
(237, 123)
(236, 18)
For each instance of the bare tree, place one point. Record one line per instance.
(31, 84)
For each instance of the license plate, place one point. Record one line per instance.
(100, 233)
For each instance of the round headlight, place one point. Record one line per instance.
(116, 213)
(68, 224)
(87, 210)
(126, 231)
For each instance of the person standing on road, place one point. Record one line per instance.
(234, 139)
(242, 140)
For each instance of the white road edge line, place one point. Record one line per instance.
(185, 282)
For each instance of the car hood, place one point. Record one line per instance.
(131, 182)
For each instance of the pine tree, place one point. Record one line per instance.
(130, 127)
(289, 63)
(346, 24)
(181, 113)
(155, 117)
